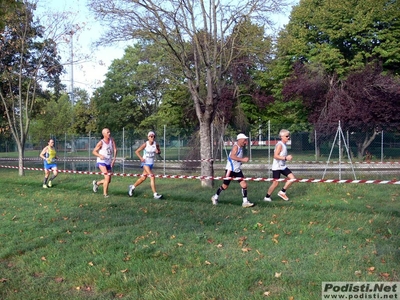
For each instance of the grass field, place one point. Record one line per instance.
(69, 243)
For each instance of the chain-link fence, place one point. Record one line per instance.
(341, 151)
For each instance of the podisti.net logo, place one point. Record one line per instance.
(361, 290)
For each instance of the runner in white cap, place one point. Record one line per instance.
(233, 169)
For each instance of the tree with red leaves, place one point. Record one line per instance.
(366, 102)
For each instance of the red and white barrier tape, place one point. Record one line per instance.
(211, 159)
(310, 180)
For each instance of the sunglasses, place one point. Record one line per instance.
(151, 135)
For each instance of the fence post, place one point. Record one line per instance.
(212, 139)
(165, 129)
(123, 149)
(315, 145)
(269, 144)
(250, 145)
(65, 148)
(382, 147)
(90, 139)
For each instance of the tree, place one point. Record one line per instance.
(342, 36)
(28, 55)
(84, 113)
(365, 102)
(200, 37)
(133, 88)
(6, 7)
(54, 119)
(334, 39)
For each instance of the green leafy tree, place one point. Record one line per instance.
(133, 88)
(84, 113)
(54, 119)
(176, 112)
(28, 55)
(6, 7)
(343, 35)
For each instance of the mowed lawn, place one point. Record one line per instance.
(68, 243)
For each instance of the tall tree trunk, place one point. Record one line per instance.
(207, 163)
(21, 151)
(363, 145)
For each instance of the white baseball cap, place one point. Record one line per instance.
(151, 133)
(241, 136)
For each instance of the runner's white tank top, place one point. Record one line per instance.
(149, 153)
(107, 151)
(280, 164)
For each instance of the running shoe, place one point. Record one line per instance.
(157, 196)
(283, 196)
(131, 188)
(95, 186)
(247, 204)
(214, 200)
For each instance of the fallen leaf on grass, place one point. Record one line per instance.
(3, 279)
(242, 240)
(247, 249)
(278, 275)
(43, 258)
(207, 262)
(124, 271)
(267, 293)
(385, 275)
(219, 246)
(59, 279)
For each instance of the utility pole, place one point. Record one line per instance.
(72, 69)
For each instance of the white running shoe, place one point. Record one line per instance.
(268, 199)
(157, 196)
(130, 190)
(95, 186)
(283, 196)
(247, 204)
(214, 200)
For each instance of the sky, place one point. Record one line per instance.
(89, 74)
